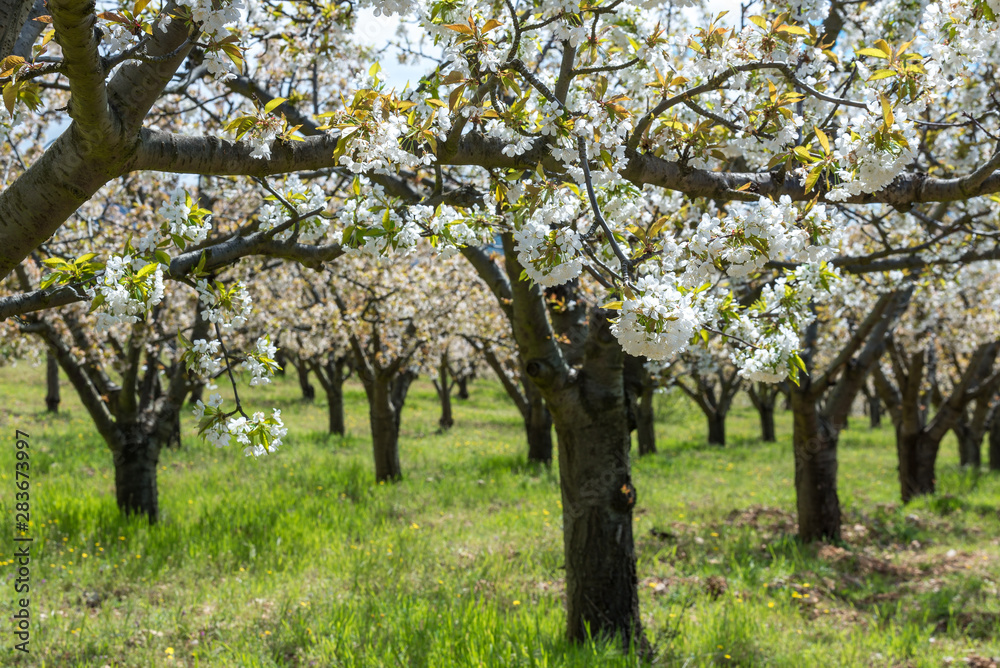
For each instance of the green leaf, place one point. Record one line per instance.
(98, 302)
(794, 30)
(882, 74)
(803, 154)
(274, 104)
(875, 53)
(147, 270)
(813, 177)
(824, 141)
(886, 111)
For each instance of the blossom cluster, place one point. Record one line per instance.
(259, 434)
(375, 147)
(129, 287)
(184, 222)
(873, 150)
(201, 358)
(222, 306)
(304, 200)
(260, 361)
(743, 241)
(660, 319)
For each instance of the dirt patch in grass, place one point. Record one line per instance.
(764, 519)
(861, 565)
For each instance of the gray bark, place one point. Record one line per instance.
(13, 15)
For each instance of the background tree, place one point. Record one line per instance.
(948, 346)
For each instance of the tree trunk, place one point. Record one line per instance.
(962, 435)
(51, 382)
(766, 411)
(589, 411)
(308, 391)
(646, 422)
(995, 441)
(970, 453)
(906, 453)
(385, 432)
(537, 425)
(135, 461)
(917, 454)
(463, 387)
(763, 397)
(386, 395)
(443, 386)
(15, 14)
(814, 442)
(598, 498)
(335, 398)
(716, 428)
(874, 409)
(331, 377)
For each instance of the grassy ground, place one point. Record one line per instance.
(299, 559)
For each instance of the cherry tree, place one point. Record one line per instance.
(823, 395)
(457, 357)
(710, 380)
(580, 133)
(397, 313)
(298, 303)
(947, 347)
(139, 415)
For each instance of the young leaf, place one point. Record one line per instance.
(274, 104)
(824, 141)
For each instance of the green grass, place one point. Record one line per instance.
(300, 559)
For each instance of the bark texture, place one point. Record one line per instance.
(386, 396)
(814, 443)
(590, 413)
(135, 462)
(51, 382)
(598, 496)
